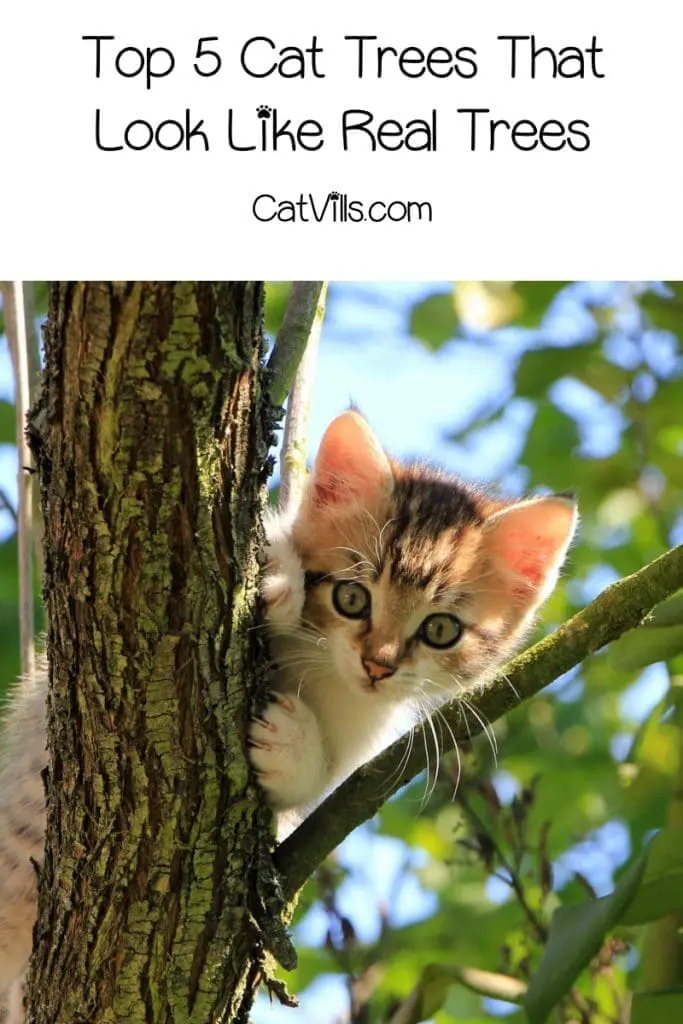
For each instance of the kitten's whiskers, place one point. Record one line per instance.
(512, 686)
(429, 790)
(487, 729)
(402, 763)
(456, 748)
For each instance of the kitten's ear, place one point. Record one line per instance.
(350, 468)
(527, 544)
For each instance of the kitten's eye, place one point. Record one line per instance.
(440, 630)
(351, 600)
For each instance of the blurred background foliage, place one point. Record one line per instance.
(584, 392)
(442, 908)
(9, 571)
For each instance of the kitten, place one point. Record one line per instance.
(391, 590)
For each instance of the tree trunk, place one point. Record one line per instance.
(151, 439)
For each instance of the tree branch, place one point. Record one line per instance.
(302, 313)
(620, 607)
(293, 453)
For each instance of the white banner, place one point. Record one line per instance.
(214, 140)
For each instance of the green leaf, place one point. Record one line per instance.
(671, 439)
(8, 423)
(9, 572)
(434, 321)
(489, 305)
(576, 935)
(9, 647)
(662, 1007)
(661, 889)
(541, 367)
(428, 996)
(664, 409)
(646, 645)
(665, 311)
(552, 431)
(669, 612)
(536, 298)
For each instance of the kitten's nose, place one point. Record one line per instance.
(378, 669)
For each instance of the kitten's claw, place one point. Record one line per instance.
(285, 749)
(283, 700)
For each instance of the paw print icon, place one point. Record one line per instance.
(264, 112)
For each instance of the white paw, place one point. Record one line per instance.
(282, 583)
(287, 753)
(15, 1003)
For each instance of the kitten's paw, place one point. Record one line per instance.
(287, 753)
(15, 1004)
(282, 584)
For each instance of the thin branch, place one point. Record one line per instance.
(490, 983)
(620, 607)
(293, 453)
(291, 339)
(7, 506)
(17, 336)
(513, 878)
(32, 345)
(484, 983)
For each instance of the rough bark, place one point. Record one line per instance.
(151, 439)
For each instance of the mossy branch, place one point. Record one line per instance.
(620, 607)
(302, 313)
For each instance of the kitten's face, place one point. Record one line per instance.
(407, 606)
(418, 584)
